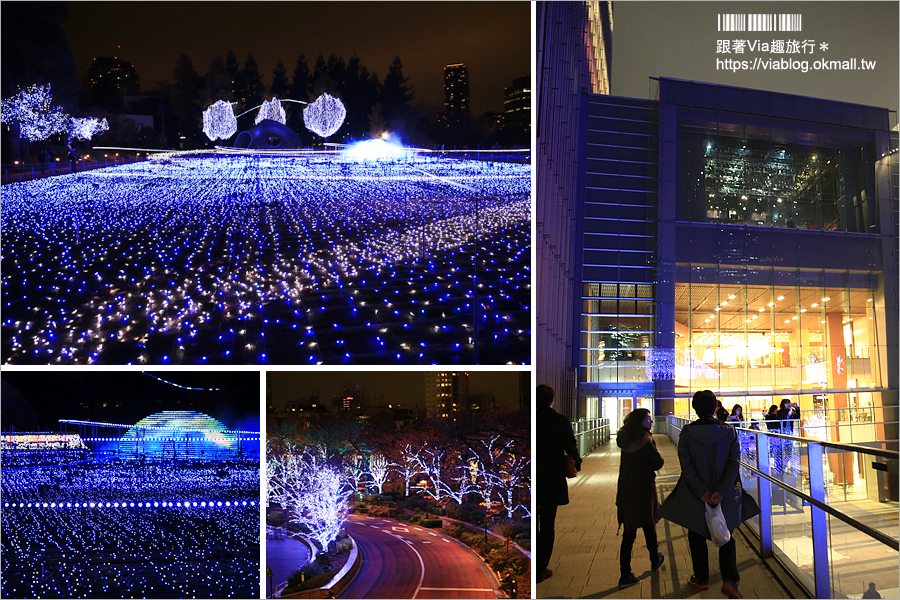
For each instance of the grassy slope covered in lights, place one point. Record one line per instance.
(275, 260)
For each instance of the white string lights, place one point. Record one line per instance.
(324, 116)
(33, 110)
(85, 129)
(267, 259)
(184, 387)
(219, 121)
(271, 110)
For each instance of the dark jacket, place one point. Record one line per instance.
(636, 499)
(709, 454)
(785, 415)
(555, 439)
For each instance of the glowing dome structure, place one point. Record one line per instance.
(182, 435)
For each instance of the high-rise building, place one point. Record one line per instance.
(737, 240)
(445, 394)
(112, 76)
(722, 238)
(574, 54)
(456, 95)
(517, 105)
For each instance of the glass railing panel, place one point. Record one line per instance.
(749, 481)
(855, 559)
(859, 485)
(792, 535)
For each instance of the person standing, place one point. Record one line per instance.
(772, 418)
(721, 411)
(636, 499)
(709, 454)
(737, 414)
(554, 440)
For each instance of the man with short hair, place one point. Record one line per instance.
(709, 453)
(554, 439)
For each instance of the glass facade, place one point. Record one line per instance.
(770, 332)
(753, 170)
(744, 251)
(617, 324)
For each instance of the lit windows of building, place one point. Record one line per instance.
(517, 105)
(445, 393)
(456, 95)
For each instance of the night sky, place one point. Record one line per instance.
(57, 395)
(407, 387)
(493, 39)
(678, 39)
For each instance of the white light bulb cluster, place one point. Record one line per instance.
(85, 129)
(219, 121)
(33, 109)
(271, 110)
(324, 116)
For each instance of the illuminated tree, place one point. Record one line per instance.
(85, 129)
(406, 467)
(319, 501)
(513, 474)
(354, 471)
(379, 469)
(32, 110)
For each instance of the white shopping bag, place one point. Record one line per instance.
(718, 528)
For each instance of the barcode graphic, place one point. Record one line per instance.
(760, 22)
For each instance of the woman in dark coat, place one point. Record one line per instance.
(636, 499)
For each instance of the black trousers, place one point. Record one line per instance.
(546, 534)
(628, 537)
(700, 558)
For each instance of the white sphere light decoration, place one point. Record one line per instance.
(324, 116)
(219, 121)
(271, 110)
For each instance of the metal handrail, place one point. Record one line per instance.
(890, 454)
(838, 445)
(884, 539)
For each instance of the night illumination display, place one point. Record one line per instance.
(219, 121)
(78, 523)
(85, 129)
(261, 259)
(316, 494)
(183, 433)
(376, 149)
(33, 110)
(183, 387)
(271, 110)
(324, 116)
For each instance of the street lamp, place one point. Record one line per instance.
(423, 484)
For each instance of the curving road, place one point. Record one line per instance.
(406, 561)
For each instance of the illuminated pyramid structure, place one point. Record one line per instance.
(179, 434)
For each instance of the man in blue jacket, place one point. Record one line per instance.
(709, 453)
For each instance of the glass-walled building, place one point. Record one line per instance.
(740, 241)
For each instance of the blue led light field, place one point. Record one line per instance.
(299, 259)
(129, 529)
